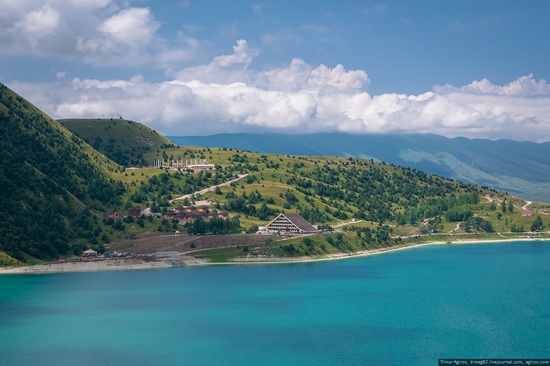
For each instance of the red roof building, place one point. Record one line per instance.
(291, 223)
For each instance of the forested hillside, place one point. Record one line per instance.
(50, 180)
(519, 168)
(327, 190)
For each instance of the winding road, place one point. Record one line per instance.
(209, 189)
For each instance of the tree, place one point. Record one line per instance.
(510, 207)
(503, 206)
(537, 224)
(199, 226)
(516, 228)
(308, 242)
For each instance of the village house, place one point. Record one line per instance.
(134, 211)
(202, 208)
(169, 215)
(191, 213)
(112, 215)
(89, 253)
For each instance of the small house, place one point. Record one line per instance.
(134, 211)
(168, 215)
(202, 208)
(89, 253)
(111, 215)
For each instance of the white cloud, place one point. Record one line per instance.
(126, 35)
(228, 95)
(301, 76)
(99, 32)
(38, 23)
(223, 69)
(128, 29)
(524, 86)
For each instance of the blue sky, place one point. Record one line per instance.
(456, 68)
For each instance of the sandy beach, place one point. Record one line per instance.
(139, 264)
(96, 266)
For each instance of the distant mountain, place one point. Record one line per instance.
(519, 168)
(50, 179)
(125, 142)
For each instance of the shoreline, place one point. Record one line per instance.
(367, 253)
(98, 266)
(137, 264)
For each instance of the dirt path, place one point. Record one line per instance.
(346, 223)
(499, 201)
(209, 189)
(456, 228)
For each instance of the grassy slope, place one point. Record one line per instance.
(520, 168)
(272, 182)
(125, 142)
(6, 260)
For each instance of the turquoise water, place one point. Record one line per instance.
(410, 307)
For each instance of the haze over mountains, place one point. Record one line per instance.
(519, 168)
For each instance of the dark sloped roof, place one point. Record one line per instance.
(300, 222)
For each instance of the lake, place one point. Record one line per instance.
(407, 307)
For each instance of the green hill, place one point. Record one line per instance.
(6, 260)
(125, 142)
(50, 181)
(377, 205)
(520, 168)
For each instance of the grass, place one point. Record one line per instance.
(318, 246)
(137, 176)
(6, 260)
(119, 137)
(132, 229)
(269, 250)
